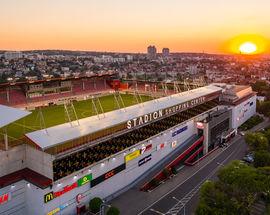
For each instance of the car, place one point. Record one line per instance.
(249, 158)
(242, 133)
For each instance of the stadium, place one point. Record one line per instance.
(68, 141)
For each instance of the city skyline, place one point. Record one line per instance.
(130, 26)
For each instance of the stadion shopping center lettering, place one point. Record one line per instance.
(160, 113)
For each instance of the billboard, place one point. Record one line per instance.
(179, 131)
(132, 155)
(84, 180)
(144, 160)
(107, 175)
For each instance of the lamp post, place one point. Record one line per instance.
(102, 207)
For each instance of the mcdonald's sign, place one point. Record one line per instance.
(48, 197)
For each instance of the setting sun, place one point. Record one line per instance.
(248, 48)
(248, 44)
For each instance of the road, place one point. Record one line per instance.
(184, 197)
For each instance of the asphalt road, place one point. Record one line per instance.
(183, 198)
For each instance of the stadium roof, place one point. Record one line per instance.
(65, 132)
(10, 114)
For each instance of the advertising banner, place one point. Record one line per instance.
(84, 180)
(108, 175)
(132, 155)
(145, 160)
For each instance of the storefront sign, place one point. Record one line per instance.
(52, 195)
(132, 155)
(79, 198)
(174, 143)
(199, 125)
(145, 160)
(48, 197)
(146, 148)
(179, 131)
(84, 180)
(5, 198)
(161, 146)
(56, 210)
(107, 175)
(65, 190)
(160, 113)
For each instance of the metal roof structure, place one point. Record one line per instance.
(10, 114)
(59, 134)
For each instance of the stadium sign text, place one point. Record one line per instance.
(160, 113)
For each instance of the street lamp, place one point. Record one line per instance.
(179, 201)
(102, 207)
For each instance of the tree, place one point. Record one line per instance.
(214, 201)
(264, 108)
(262, 158)
(113, 211)
(257, 141)
(94, 204)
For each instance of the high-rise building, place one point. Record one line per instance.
(165, 52)
(151, 52)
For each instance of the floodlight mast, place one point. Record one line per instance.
(96, 106)
(70, 112)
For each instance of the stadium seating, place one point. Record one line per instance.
(79, 160)
(17, 95)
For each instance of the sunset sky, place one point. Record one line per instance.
(131, 25)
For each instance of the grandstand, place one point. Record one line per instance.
(41, 92)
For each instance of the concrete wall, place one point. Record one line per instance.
(12, 160)
(39, 161)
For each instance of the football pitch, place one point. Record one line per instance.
(55, 115)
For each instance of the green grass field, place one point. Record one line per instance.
(55, 115)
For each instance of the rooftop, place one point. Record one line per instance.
(65, 132)
(10, 114)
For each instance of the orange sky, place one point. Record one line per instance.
(130, 26)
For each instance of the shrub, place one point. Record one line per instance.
(154, 182)
(166, 173)
(94, 204)
(113, 211)
(174, 170)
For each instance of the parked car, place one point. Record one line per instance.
(249, 158)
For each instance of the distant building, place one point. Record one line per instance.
(109, 59)
(13, 55)
(129, 58)
(165, 52)
(151, 52)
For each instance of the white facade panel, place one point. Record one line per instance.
(12, 160)
(243, 111)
